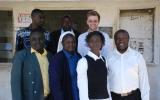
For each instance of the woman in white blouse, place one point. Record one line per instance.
(92, 70)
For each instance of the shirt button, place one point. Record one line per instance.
(35, 92)
(32, 82)
(29, 73)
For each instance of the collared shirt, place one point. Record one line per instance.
(22, 38)
(128, 72)
(73, 59)
(82, 78)
(83, 48)
(43, 62)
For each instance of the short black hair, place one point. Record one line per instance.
(121, 31)
(66, 17)
(41, 32)
(36, 11)
(68, 35)
(95, 33)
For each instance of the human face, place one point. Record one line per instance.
(38, 19)
(66, 24)
(121, 41)
(69, 44)
(92, 22)
(37, 41)
(95, 44)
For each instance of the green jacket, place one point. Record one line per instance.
(26, 78)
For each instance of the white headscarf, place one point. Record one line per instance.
(60, 47)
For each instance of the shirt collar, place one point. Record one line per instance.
(128, 49)
(95, 57)
(68, 55)
(34, 51)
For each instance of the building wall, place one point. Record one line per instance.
(109, 11)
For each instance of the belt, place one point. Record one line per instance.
(126, 94)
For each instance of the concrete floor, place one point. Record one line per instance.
(154, 72)
(5, 93)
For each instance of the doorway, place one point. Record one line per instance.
(140, 25)
(53, 17)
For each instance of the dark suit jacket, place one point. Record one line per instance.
(54, 38)
(26, 78)
(60, 79)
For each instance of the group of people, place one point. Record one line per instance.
(67, 65)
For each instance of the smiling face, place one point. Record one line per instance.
(95, 43)
(37, 41)
(69, 43)
(66, 24)
(92, 22)
(121, 41)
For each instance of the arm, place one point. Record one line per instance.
(82, 47)
(143, 79)
(16, 77)
(109, 92)
(19, 42)
(82, 80)
(47, 39)
(55, 80)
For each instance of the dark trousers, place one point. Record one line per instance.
(49, 97)
(135, 95)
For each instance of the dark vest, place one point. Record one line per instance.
(97, 78)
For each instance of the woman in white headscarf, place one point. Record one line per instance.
(62, 72)
(60, 47)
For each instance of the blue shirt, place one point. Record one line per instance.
(22, 38)
(72, 60)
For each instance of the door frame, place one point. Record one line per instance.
(156, 46)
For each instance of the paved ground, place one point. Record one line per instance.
(5, 93)
(154, 78)
(154, 73)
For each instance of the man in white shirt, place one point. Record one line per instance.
(128, 78)
(93, 19)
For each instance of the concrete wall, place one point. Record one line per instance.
(109, 11)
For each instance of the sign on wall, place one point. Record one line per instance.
(24, 19)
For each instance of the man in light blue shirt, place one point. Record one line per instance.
(93, 19)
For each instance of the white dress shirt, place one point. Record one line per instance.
(128, 72)
(83, 48)
(82, 78)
